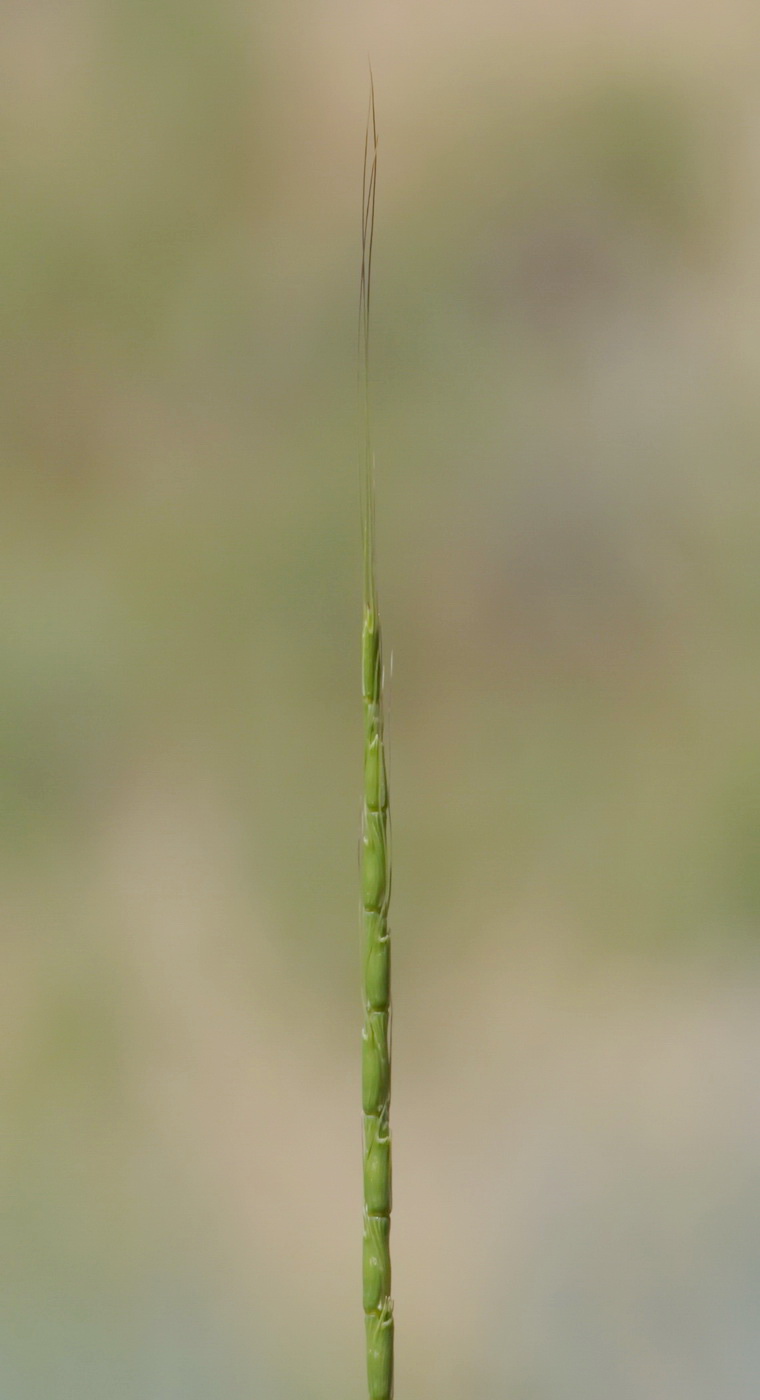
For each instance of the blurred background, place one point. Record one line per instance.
(566, 367)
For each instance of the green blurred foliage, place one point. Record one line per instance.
(566, 425)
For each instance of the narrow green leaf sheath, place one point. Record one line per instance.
(375, 877)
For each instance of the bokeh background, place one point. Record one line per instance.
(566, 369)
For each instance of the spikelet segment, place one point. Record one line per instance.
(377, 1261)
(377, 961)
(380, 1352)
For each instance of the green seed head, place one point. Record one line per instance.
(375, 881)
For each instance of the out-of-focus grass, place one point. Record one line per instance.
(568, 514)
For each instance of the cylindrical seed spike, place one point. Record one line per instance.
(375, 887)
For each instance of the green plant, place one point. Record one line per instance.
(375, 876)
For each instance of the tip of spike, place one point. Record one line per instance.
(369, 187)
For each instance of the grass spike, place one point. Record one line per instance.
(375, 873)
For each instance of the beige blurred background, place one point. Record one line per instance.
(566, 370)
